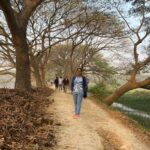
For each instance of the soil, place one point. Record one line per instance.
(34, 121)
(98, 128)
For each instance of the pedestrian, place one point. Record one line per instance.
(65, 84)
(60, 83)
(56, 83)
(79, 90)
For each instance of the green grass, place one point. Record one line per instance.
(138, 100)
(100, 91)
(145, 123)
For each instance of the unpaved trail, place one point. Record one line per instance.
(93, 129)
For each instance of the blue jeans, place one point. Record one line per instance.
(78, 97)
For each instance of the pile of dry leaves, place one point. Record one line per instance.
(24, 124)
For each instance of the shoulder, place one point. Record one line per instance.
(73, 78)
(84, 78)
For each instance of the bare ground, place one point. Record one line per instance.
(96, 129)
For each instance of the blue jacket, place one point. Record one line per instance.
(84, 84)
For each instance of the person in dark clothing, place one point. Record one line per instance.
(56, 83)
(79, 90)
(65, 84)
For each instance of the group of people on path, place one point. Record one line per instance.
(61, 83)
(79, 87)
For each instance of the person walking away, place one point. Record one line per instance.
(79, 90)
(60, 83)
(65, 84)
(56, 83)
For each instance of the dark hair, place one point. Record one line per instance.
(79, 68)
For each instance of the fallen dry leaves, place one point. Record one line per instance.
(24, 124)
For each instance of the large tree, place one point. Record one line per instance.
(138, 34)
(65, 22)
(56, 22)
(84, 55)
(45, 28)
(59, 21)
(17, 20)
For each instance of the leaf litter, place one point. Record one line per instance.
(24, 122)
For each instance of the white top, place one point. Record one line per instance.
(78, 85)
(60, 81)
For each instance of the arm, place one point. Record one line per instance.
(72, 84)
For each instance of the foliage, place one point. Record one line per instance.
(105, 69)
(93, 62)
(101, 90)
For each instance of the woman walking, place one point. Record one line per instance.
(79, 90)
(60, 83)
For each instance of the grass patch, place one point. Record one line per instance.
(100, 91)
(142, 121)
(137, 99)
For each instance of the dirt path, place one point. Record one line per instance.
(94, 130)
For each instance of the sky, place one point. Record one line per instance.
(133, 21)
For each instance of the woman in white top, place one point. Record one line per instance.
(60, 83)
(79, 90)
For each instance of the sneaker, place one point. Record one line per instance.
(76, 116)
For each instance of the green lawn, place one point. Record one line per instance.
(100, 91)
(137, 99)
(142, 121)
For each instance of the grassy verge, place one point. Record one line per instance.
(139, 100)
(136, 99)
(145, 123)
(100, 91)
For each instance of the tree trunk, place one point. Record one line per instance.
(36, 71)
(118, 93)
(23, 79)
(69, 70)
(130, 85)
(37, 76)
(43, 75)
(17, 23)
(147, 87)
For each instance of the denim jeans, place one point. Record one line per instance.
(78, 97)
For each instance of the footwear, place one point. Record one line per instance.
(76, 116)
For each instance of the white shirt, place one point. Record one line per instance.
(60, 81)
(78, 84)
